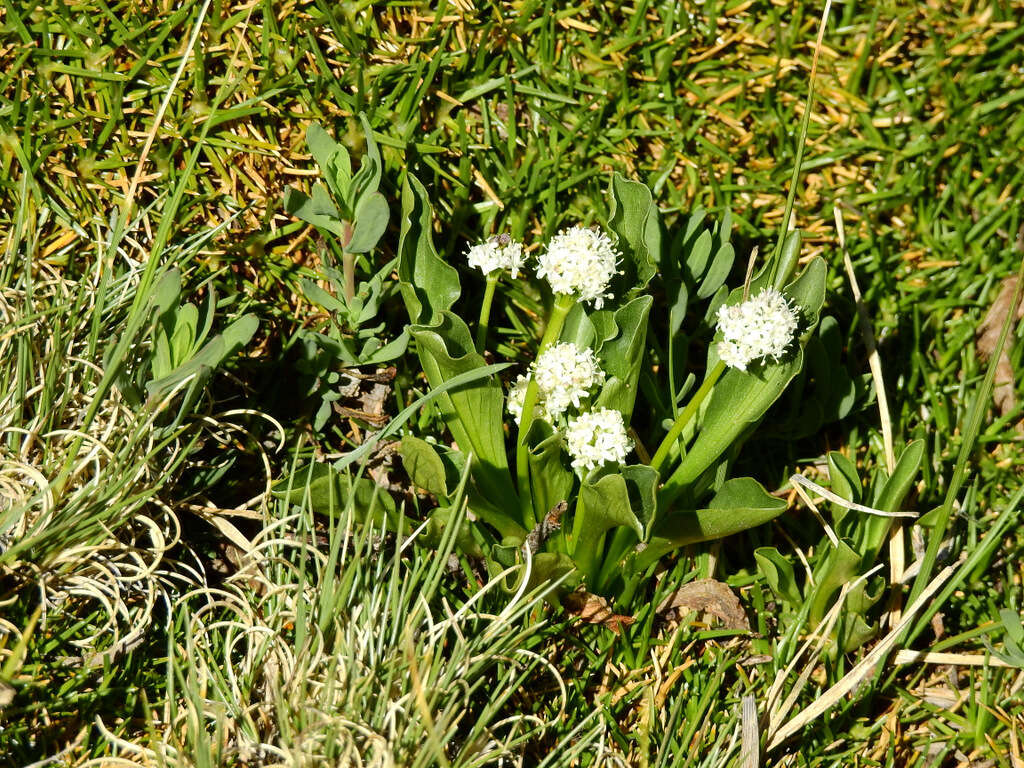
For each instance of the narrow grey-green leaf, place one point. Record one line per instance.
(371, 221)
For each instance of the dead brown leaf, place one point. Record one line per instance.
(594, 609)
(707, 596)
(988, 338)
(365, 395)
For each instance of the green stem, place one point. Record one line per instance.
(485, 310)
(348, 269)
(563, 303)
(685, 415)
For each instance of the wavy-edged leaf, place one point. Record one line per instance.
(778, 572)
(429, 285)
(637, 223)
(622, 356)
(741, 398)
(472, 412)
(740, 504)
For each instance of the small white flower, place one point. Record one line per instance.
(565, 374)
(597, 437)
(499, 252)
(762, 326)
(580, 262)
(517, 399)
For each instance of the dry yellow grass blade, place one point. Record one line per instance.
(864, 668)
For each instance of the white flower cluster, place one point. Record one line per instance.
(597, 437)
(565, 374)
(501, 252)
(762, 326)
(581, 262)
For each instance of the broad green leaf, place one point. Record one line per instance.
(578, 328)
(371, 221)
(844, 482)
(547, 567)
(779, 573)
(551, 477)
(840, 566)
(606, 504)
(166, 292)
(788, 259)
(472, 412)
(429, 285)
(424, 465)
(622, 356)
(213, 353)
(636, 221)
(642, 485)
(333, 159)
(740, 398)
(329, 491)
(322, 298)
(740, 504)
(697, 259)
(903, 477)
(390, 351)
(873, 530)
(440, 519)
(186, 319)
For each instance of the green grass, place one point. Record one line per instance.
(514, 118)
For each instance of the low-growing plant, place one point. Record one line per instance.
(351, 216)
(548, 455)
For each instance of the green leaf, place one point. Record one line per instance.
(371, 220)
(788, 258)
(606, 505)
(741, 398)
(779, 573)
(717, 272)
(330, 491)
(322, 298)
(333, 159)
(740, 504)
(213, 353)
(840, 566)
(424, 466)
(873, 530)
(547, 567)
(317, 210)
(697, 259)
(371, 160)
(472, 412)
(166, 292)
(440, 519)
(390, 351)
(636, 221)
(551, 477)
(622, 356)
(186, 320)
(844, 481)
(429, 285)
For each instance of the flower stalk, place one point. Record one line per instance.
(485, 311)
(560, 310)
(685, 415)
